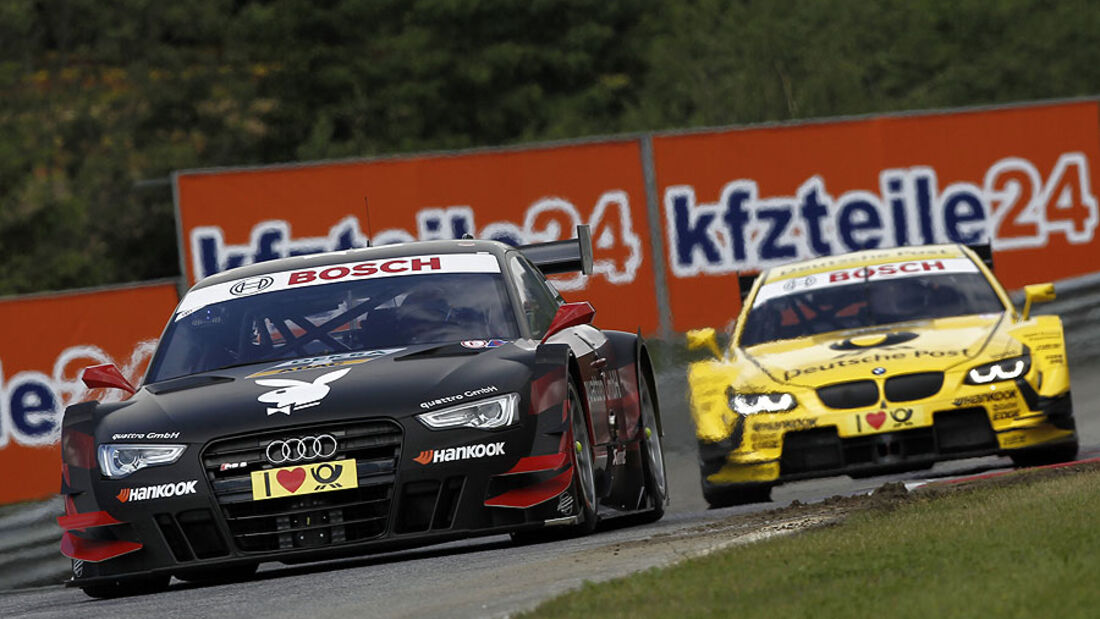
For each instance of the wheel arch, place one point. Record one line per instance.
(632, 348)
(573, 375)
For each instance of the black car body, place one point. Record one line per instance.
(327, 405)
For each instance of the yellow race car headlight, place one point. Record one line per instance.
(1005, 369)
(755, 403)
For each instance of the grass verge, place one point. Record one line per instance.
(1026, 546)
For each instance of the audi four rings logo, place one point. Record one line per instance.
(299, 449)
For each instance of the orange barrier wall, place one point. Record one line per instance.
(45, 341)
(728, 201)
(741, 200)
(231, 217)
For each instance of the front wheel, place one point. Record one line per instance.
(584, 480)
(653, 458)
(584, 473)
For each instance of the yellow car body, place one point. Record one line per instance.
(878, 361)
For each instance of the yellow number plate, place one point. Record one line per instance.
(304, 479)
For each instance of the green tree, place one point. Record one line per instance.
(101, 101)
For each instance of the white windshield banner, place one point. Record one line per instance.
(335, 273)
(855, 275)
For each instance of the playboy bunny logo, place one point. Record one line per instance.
(294, 395)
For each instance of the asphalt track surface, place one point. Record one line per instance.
(491, 576)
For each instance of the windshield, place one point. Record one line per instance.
(333, 318)
(868, 297)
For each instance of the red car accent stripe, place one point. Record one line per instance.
(94, 551)
(547, 391)
(86, 520)
(531, 464)
(570, 315)
(77, 449)
(959, 480)
(523, 498)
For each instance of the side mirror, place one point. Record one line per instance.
(704, 338)
(570, 315)
(106, 376)
(1036, 293)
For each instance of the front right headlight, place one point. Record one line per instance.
(1005, 369)
(118, 461)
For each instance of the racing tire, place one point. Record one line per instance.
(653, 458)
(1040, 456)
(219, 575)
(130, 586)
(584, 484)
(584, 469)
(736, 494)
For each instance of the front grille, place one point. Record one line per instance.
(917, 443)
(964, 430)
(822, 450)
(811, 450)
(853, 394)
(428, 504)
(311, 520)
(908, 387)
(192, 534)
(953, 433)
(172, 535)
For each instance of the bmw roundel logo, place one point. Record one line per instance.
(878, 371)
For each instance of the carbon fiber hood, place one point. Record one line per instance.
(271, 395)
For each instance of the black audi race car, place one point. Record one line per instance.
(361, 401)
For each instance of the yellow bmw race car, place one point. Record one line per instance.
(878, 361)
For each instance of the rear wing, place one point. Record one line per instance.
(562, 256)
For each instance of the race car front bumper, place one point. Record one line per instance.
(908, 439)
(413, 487)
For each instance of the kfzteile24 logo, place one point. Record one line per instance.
(1015, 207)
(617, 251)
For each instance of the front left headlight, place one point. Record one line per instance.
(1005, 369)
(118, 461)
(754, 403)
(486, 414)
